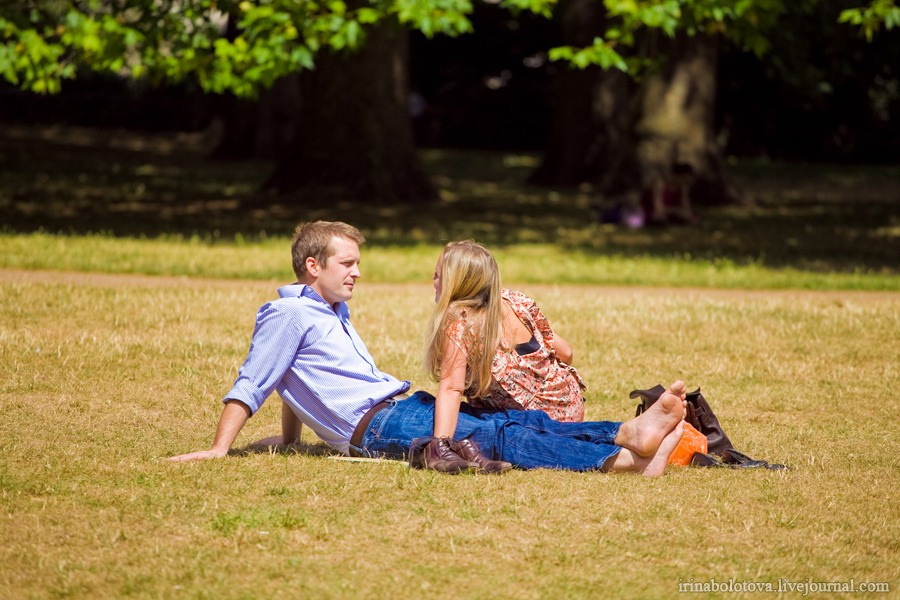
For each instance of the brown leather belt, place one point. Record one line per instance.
(358, 433)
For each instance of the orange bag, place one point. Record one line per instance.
(691, 441)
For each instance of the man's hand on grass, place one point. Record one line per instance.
(199, 455)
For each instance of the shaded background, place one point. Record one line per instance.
(822, 93)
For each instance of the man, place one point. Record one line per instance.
(305, 347)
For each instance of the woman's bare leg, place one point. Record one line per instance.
(627, 461)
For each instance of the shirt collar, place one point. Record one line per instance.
(301, 290)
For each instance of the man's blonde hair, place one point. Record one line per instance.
(470, 289)
(314, 240)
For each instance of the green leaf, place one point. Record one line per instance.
(337, 7)
(353, 33)
(337, 41)
(367, 16)
(560, 53)
(851, 15)
(303, 57)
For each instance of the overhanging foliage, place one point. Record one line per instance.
(242, 46)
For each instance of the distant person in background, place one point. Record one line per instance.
(663, 199)
(668, 200)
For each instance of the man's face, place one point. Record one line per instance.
(336, 279)
(436, 278)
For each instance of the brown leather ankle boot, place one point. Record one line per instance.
(469, 450)
(439, 455)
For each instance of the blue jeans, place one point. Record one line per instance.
(529, 439)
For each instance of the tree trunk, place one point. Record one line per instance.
(354, 134)
(627, 138)
(675, 127)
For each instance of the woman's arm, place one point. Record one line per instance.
(450, 390)
(562, 348)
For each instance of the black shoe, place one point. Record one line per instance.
(733, 459)
(700, 459)
(739, 460)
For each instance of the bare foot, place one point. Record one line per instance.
(657, 465)
(644, 434)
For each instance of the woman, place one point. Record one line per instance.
(494, 345)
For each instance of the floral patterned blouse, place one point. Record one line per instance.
(533, 381)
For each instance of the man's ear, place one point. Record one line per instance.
(312, 266)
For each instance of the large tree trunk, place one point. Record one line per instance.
(628, 138)
(676, 123)
(355, 134)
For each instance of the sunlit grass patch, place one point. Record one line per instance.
(268, 259)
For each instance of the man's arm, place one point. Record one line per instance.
(273, 348)
(234, 415)
(290, 424)
(290, 430)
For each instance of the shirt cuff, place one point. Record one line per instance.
(247, 393)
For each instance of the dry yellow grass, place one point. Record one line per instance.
(104, 376)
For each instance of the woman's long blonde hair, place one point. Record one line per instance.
(470, 288)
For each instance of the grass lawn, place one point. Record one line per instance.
(109, 374)
(107, 371)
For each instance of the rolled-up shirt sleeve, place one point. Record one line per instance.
(273, 349)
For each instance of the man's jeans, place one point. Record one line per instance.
(529, 439)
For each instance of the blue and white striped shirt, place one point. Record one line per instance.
(316, 361)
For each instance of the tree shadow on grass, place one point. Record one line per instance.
(75, 181)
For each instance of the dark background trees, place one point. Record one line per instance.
(819, 91)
